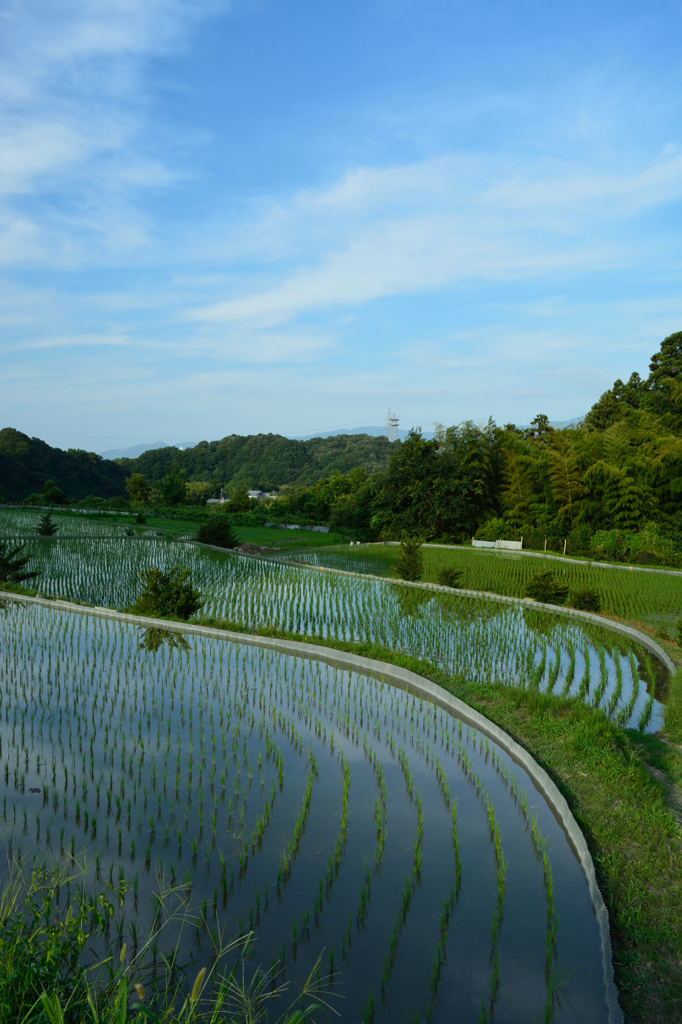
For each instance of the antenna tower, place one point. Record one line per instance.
(392, 426)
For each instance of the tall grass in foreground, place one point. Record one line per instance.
(48, 974)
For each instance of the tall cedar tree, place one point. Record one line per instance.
(410, 564)
(12, 566)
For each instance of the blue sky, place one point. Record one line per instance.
(262, 215)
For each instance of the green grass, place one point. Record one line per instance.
(626, 812)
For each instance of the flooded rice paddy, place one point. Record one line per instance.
(483, 640)
(313, 814)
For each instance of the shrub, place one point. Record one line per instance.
(49, 494)
(217, 531)
(544, 586)
(410, 564)
(167, 594)
(586, 600)
(449, 577)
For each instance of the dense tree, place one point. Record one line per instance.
(544, 586)
(27, 462)
(439, 487)
(265, 461)
(565, 479)
(240, 500)
(138, 488)
(47, 526)
(410, 564)
(173, 486)
(49, 494)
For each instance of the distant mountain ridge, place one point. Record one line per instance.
(370, 431)
(139, 449)
(402, 434)
(262, 461)
(136, 450)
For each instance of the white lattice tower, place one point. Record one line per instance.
(392, 426)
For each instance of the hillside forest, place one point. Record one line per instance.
(610, 486)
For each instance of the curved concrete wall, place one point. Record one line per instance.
(431, 691)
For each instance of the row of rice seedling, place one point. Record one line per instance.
(25, 522)
(482, 640)
(653, 598)
(293, 805)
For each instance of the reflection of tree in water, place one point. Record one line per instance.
(540, 621)
(153, 638)
(411, 599)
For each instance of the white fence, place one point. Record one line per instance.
(508, 545)
(293, 526)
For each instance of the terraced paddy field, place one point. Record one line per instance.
(652, 598)
(24, 522)
(481, 640)
(307, 811)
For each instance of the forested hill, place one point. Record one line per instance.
(264, 461)
(27, 462)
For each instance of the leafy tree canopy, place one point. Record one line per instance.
(218, 532)
(138, 488)
(173, 486)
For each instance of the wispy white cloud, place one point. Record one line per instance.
(73, 114)
(79, 341)
(448, 222)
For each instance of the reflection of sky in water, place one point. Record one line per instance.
(179, 753)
